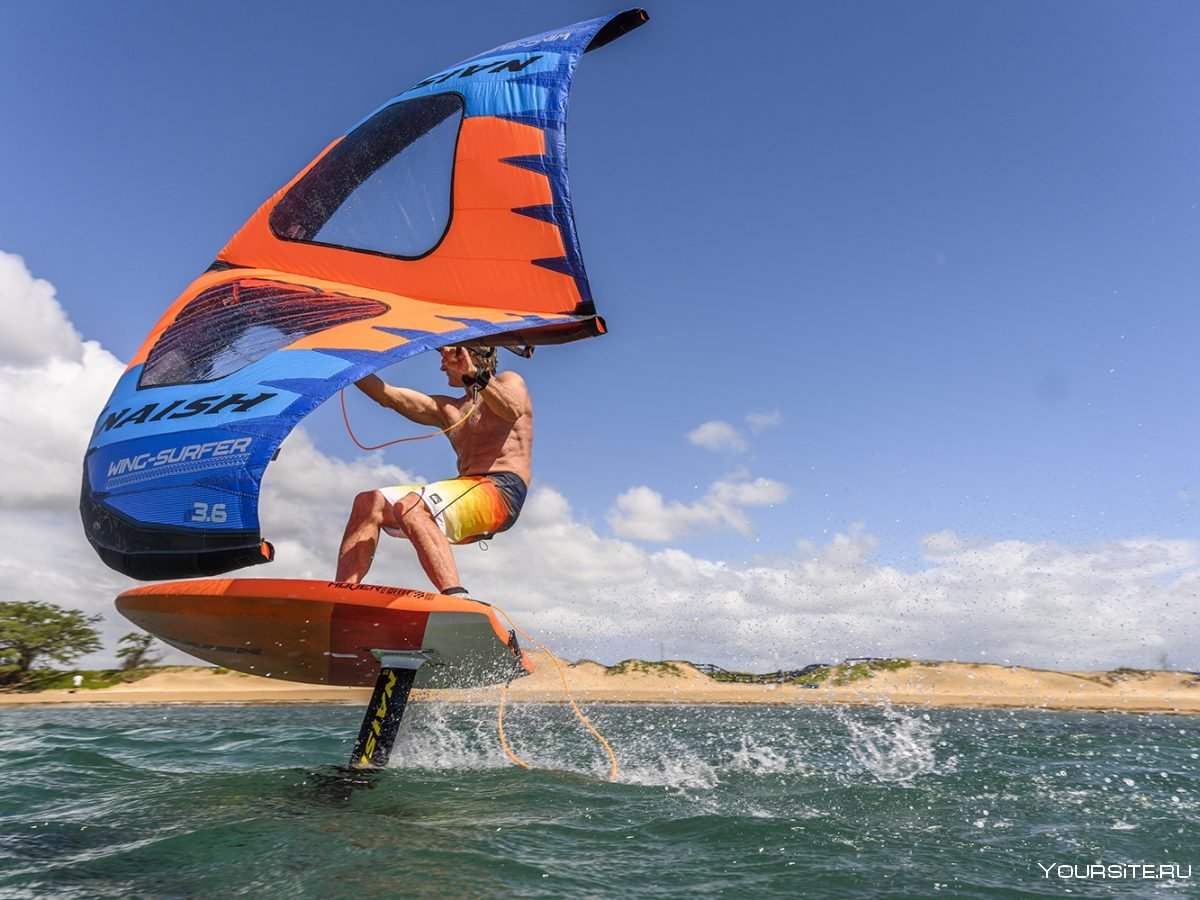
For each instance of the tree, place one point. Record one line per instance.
(30, 629)
(135, 650)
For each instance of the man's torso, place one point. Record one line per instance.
(487, 443)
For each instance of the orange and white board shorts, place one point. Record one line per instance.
(467, 508)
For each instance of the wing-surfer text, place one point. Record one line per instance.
(190, 453)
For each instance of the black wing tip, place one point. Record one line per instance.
(619, 25)
(172, 566)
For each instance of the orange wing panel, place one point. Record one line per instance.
(485, 259)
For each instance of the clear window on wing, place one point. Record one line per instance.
(385, 188)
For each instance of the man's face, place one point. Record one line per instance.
(456, 363)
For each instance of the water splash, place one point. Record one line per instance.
(896, 747)
(658, 747)
(440, 737)
(670, 764)
(756, 758)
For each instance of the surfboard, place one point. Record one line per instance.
(322, 632)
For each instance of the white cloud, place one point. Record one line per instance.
(46, 419)
(759, 421)
(54, 385)
(756, 492)
(719, 437)
(306, 498)
(641, 513)
(35, 326)
(1115, 603)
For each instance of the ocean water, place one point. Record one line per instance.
(222, 801)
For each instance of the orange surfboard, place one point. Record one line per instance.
(323, 632)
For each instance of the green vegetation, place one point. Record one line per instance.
(641, 667)
(862, 670)
(31, 630)
(815, 675)
(134, 652)
(742, 677)
(1124, 673)
(33, 633)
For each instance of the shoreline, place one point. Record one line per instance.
(949, 685)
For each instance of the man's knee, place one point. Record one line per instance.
(369, 506)
(411, 512)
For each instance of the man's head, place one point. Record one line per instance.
(455, 360)
(484, 358)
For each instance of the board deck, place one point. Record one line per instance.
(323, 632)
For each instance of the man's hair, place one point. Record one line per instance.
(485, 358)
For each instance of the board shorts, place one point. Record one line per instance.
(468, 508)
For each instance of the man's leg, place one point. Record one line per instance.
(433, 550)
(371, 511)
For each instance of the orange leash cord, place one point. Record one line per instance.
(612, 775)
(419, 437)
(500, 727)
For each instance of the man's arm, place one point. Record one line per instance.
(505, 394)
(420, 408)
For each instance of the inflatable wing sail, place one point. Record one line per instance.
(442, 218)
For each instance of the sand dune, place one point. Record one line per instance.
(944, 684)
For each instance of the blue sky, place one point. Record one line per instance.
(951, 247)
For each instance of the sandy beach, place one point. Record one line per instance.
(936, 684)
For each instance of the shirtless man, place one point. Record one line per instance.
(494, 447)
